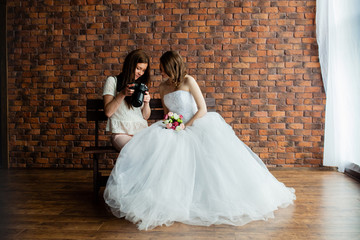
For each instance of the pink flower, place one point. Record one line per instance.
(173, 121)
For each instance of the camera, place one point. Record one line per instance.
(138, 96)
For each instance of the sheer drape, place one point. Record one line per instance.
(338, 36)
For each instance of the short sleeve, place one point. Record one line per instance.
(110, 86)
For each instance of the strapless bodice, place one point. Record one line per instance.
(181, 102)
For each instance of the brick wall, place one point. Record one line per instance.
(258, 59)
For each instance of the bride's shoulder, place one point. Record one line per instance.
(189, 79)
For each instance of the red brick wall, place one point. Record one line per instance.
(258, 59)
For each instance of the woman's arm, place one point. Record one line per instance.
(111, 103)
(146, 111)
(195, 91)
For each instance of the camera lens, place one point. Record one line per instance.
(137, 99)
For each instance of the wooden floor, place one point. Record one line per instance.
(57, 204)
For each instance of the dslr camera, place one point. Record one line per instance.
(137, 98)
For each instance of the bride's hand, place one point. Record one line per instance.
(187, 125)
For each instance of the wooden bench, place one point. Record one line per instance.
(95, 112)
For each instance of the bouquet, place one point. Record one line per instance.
(174, 121)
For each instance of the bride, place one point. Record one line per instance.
(201, 175)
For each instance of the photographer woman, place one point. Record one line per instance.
(124, 119)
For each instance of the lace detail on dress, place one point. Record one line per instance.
(181, 102)
(110, 86)
(124, 120)
(127, 127)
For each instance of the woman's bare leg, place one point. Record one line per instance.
(119, 140)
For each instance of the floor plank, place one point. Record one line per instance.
(57, 204)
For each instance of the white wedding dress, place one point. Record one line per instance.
(202, 175)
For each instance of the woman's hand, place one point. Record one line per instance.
(147, 97)
(146, 111)
(128, 91)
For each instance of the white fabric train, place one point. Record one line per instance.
(202, 175)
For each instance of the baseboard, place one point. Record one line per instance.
(353, 171)
(322, 168)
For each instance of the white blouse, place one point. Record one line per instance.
(124, 120)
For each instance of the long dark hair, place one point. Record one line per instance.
(174, 66)
(127, 75)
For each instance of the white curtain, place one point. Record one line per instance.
(338, 37)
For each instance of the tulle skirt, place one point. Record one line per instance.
(202, 175)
